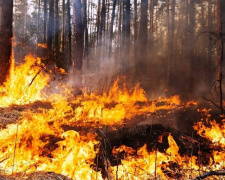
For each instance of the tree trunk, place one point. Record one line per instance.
(219, 54)
(85, 32)
(78, 36)
(69, 35)
(45, 21)
(63, 27)
(6, 39)
(57, 28)
(191, 45)
(50, 28)
(38, 21)
(126, 34)
(111, 25)
(141, 62)
(135, 31)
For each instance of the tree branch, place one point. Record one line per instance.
(211, 102)
(211, 173)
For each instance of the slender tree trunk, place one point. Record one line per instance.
(141, 62)
(69, 34)
(50, 28)
(45, 21)
(57, 28)
(191, 44)
(63, 27)
(98, 18)
(135, 23)
(38, 21)
(219, 55)
(209, 49)
(85, 32)
(127, 35)
(111, 25)
(6, 35)
(78, 35)
(135, 31)
(102, 21)
(168, 42)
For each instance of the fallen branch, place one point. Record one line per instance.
(211, 173)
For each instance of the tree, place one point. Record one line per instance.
(219, 54)
(85, 27)
(45, 21)
(141, 61)
(78, 35)
(69, 35)
(51, 28)
(6, 38)
(111, 25)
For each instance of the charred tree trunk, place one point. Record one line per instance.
(45, 21)
(141, 62)
(111, 25)
(78, 35)
(50, 29)
(38, 21)
(102, 22)
(135, 31)
(191, 47)
(56, 38)
(63, 27)
(85, 32)
(126, 37)
(57, 28)
(6, 38)
(69, 35)
(219, 55)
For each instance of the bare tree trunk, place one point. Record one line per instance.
(135, 31)
(85, 32)
(51, 28)
(141, 62)
(69, 49)
(57, 28)
(38, 21)
(45, 21)
(63, 27)
(219, 54)
(6, 39)
(126, 37)
(111, 25)
(78, 35)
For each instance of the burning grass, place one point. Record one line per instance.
(69, 135)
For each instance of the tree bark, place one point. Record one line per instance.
(50, 28)
(219, 55)
(78, 35)
(85, 26)
(45, 21)
(69, 35)
(111, 25)
(141, 62)
(6, 39)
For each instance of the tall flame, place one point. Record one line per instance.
(20, 87)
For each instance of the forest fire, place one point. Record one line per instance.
(55, 138)
(19, 87)
(112, 90)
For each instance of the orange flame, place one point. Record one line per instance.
(23, 86)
